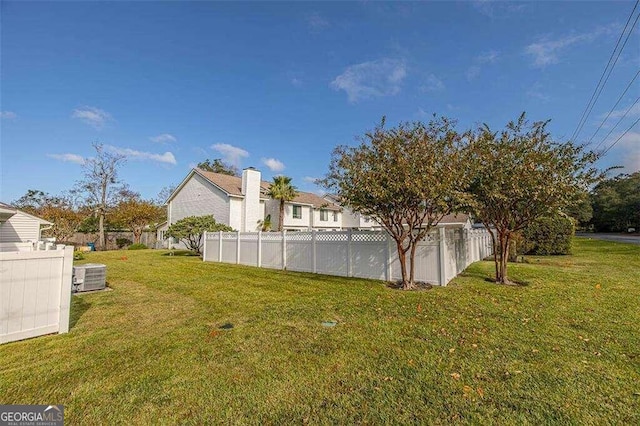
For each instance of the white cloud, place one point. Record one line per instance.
(382, 77)
(498, 9)
(433, 84)
(296, 82)
(618, 113)
(317, 23)
(273, 164)
(489, 57)
(8, 115)
(132, 154)
(230, 154)
(310, 179)
(71, 158)
(535, 91)
(92, 116)
(547, 51)
(163, 138)
(473, 72)
(627, 150)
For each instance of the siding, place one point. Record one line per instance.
(198, 197)
(329, 223)
(19, 228)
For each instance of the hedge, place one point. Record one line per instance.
(548, 236)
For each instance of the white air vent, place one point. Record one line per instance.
(90, 276)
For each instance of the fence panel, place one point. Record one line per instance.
(299, 251)
(332, 253)
(211, 247)
(249, 248)
(442, 255)
(369, 254)
(229, 247)
(35, 293)
(272, 250)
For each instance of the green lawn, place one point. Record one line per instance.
(563, 349)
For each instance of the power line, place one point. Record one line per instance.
(613, 109)
(617, 140)
(616, 125)
(596, 93)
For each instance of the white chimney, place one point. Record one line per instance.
(251, 212)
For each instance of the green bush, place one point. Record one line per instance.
(137, 246)
(122, 242)
(78, 255)
(547, 236)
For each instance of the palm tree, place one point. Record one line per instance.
(281, 189)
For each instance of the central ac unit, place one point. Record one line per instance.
(90, 276)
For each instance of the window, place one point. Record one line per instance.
(335, 216)
(324, 215)
(297, 212)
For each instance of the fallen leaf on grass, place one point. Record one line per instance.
(456, 376)
(452, 350)
(480, 392)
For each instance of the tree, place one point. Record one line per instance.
(100, 185)
(519, 175)
(406, 178)
(191, 229)
(219, 166)
(282, 190)
(580, 210)
(137, 214)
(265, 224)
(616, 203)
(164, 195)
(59, 210)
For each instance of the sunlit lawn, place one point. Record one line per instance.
(563, 349)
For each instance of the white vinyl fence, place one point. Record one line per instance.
(442, 255)
(35, 292)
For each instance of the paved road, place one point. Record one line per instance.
(620, 238)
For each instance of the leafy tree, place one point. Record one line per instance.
(580, 210)
(519, 175)
(616, 203)
(190, 230)
(219, 166)
(56, 209)
(265, 224)
(164, 195)
(137, 214)
(101, 186)
(282, 190)
(405, 178)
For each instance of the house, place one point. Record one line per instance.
(242, 203)
(351, 219)
(18, 228)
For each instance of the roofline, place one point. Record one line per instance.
(186, 179)
(39, 219)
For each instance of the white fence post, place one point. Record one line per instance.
(65, 291)
(442, 253)
(349, 262)
(259, 249)
(204, 247)
(220, 246)
(314, 251)
(238, 248)
(284, 249)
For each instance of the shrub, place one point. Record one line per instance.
(190, 229)
(547, 236)
(121, 242)
(78, 255)
(137, 246)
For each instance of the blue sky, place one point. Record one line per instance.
(278, 85)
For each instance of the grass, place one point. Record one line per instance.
(564, 349)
